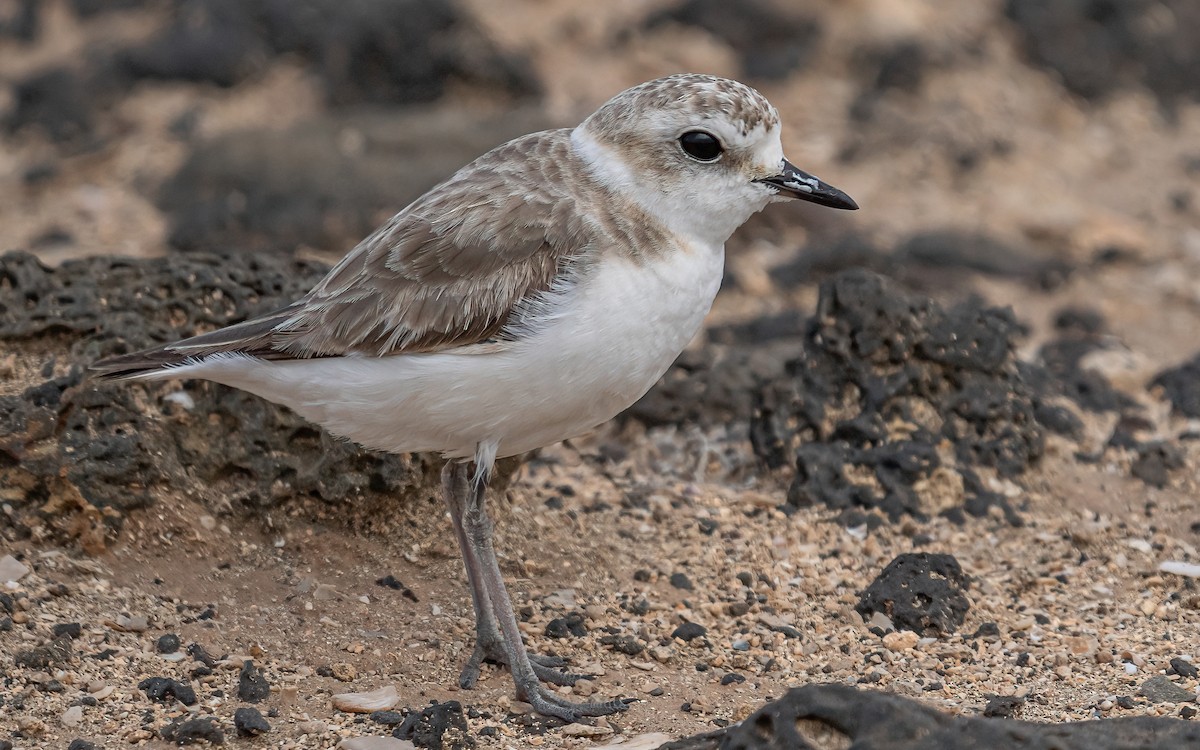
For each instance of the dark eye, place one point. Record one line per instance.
(700, 145)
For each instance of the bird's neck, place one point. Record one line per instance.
(677, 214)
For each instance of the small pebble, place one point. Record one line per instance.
(1184, 668)
(313, 726)
(900, 640)
(12, 569)
(586, 730)
(129, 624)
(689, 631)
(168, 644)
(681, 581)
(68, 629)
(72, 716)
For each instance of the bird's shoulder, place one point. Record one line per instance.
(455, 267)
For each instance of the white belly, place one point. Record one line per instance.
(613, 340)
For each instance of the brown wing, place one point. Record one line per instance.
(450, 270)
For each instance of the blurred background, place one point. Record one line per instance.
(1040, 154)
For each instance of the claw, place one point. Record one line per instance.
(545, 667)
(551, 705)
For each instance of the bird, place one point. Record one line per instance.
(533, 295)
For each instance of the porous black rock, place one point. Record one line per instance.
(571, 625)
(249, 722)
(884, 378)
(165, 689)
(920, 591)
(1181, 385)
(99, 450)
(689, 631)
(438, 726)
(194, 731)
(925, 262)
(1003, 706)
(57, 651)
(830, 715)
(252, 684)
(1155, 461)
(70, 630)
(168, 643)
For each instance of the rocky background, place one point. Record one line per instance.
(943, 447)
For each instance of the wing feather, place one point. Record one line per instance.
(449, 271)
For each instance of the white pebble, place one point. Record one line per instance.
(72, 716)
(375, 743)
(182, 398)
(364, 703)
(12, 569)
(1179, 568)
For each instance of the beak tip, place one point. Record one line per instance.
(796, 183)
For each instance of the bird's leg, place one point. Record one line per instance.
(477, 527)
(489, 643)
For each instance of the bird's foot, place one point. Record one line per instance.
(549, 704)
(547, 668)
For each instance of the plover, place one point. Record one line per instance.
(533, 295)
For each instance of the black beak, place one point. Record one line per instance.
(794, 183)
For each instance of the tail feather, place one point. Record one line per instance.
(253, 338)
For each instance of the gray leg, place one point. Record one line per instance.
(489, 643)
(477, 527)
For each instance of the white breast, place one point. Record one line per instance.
(612, 340)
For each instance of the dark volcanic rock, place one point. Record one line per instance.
(164, 689)
(926, 261)
(716, 385)
(394, 51)
(85, 453)
(1099, 46)
(252, 684)
(439, 726)
(689, 631)
(21, 21)
(820, 716)
(249, 722)
(70, 630)
(919, 591)
(883, 378)
(1182, 386)
(275, 192)
(57, 101)
(1155, 461)
(772, 39)
(194, 731)
(57, 651)
(571, 625)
